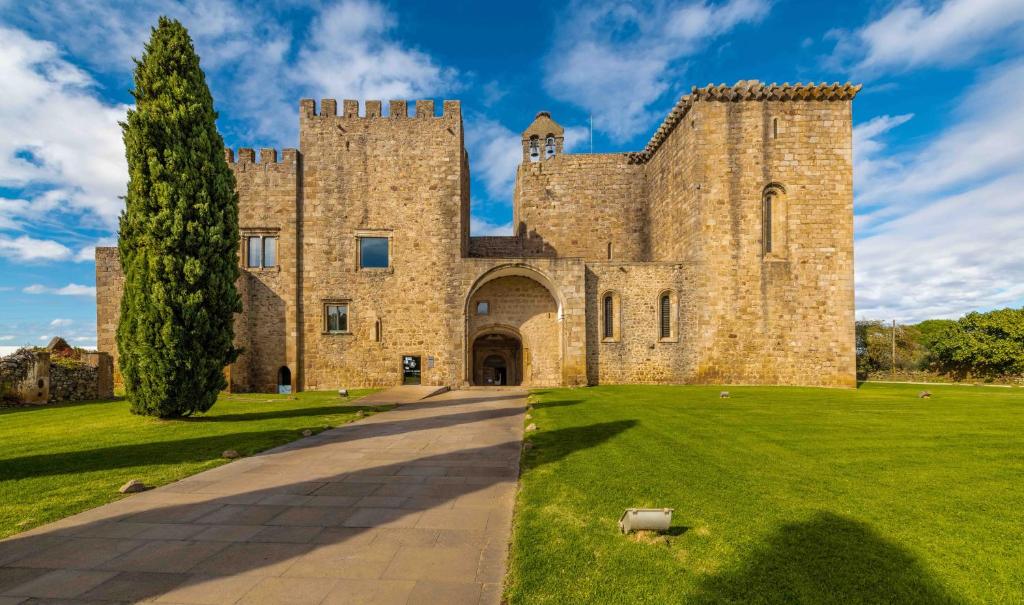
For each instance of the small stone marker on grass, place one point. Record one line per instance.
(229, 454)
(925, 395)
(724, 394)
(132, 487)
(342, 392)
(307, 433)
(531, 427)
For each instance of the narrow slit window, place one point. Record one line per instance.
(609, 316)
(377, 331)
(609, 250)
(767, 222)
(665, 316)
(775, 128)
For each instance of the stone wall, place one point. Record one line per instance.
(109, 287)
(35, 376)
(636, 352)
(268, 202)
(579, 204)
(396, 176)
(784, 317)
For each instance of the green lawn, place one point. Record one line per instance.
(781, 495)
(58, 460)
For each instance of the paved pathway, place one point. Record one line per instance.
(408, 506)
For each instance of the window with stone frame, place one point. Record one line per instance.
(373, 250)
(609, 319)
(336, 317)
(261, 251)
(483, 307)
(668, 310)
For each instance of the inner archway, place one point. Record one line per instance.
(497, 359)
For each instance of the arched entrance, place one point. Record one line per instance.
(514, 312)
(497, 359)
(284, 380)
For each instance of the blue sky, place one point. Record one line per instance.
(938, 127)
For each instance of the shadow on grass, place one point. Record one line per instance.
(828, 559)
(540, 405)
(202, 449)
(10, 408)
(325, 410)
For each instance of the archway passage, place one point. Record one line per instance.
(497, 360)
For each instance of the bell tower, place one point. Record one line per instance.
(542, 139)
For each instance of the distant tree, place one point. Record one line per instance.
(178, 236)
(983, 344)
(928, 333)
(874, 348)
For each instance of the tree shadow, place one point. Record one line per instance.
(11, 408)
(202, 449)
(154, 541)
(325, 410)
(827, 559)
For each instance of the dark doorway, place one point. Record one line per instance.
(284, 380)
(497, 360)
(410, 369)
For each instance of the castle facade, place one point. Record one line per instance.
(720, 253)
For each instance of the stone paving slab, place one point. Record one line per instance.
(409, 506)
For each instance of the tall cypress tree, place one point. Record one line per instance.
(178, 236)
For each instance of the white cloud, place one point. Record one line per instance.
(494, 154)
(616, 60)
(479, 226)
(80, 168)
(577, 138)
(7, 337)
(68, 290)
(912, 35)
(350, 52)
(61, 323)
(940, 227)
(25, 248)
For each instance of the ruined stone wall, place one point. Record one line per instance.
(785, 317)
(267, 206)
(578, 204)
(109, 287)
(524, 306)
(395, 176)
(636, 352)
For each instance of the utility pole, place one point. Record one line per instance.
(893, 349)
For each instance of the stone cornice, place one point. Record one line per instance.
(744, 90)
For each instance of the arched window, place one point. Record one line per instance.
(773, 221)
(665, 316)
(609, 250)
(609, 316)
(378, 330)
(284, 380)
(534, 149)
(549, 147)
(668, 312)
(775, 128)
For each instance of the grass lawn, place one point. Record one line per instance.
(781, 495)
(58, 460)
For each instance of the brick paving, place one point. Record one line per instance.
(410, 506)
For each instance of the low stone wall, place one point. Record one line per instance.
(33, 376)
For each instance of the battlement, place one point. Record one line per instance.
(744, 90)
(397, 110)
(268, 155)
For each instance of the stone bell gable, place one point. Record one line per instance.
(722, 252)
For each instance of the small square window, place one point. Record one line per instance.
(261, 251)
(373, 253)
(483, 307)
(336, 317)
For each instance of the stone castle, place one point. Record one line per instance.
(720, 253)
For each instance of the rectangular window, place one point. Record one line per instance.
(270, 252)
(336, 315)
(767, 224)
(255, 259)
(373, 253)
(483, 307)
(261, 251)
